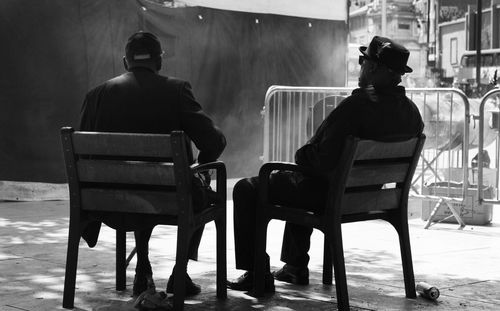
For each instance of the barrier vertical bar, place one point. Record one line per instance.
(480, 176)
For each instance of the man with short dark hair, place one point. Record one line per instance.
(143, 101)
(378, 110)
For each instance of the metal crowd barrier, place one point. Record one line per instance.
(489, 109)
(292, 114)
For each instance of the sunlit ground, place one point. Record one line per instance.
(463, 264)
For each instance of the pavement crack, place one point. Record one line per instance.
(466, 284)
(17, 308)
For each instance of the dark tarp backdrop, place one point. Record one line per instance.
(54, 51)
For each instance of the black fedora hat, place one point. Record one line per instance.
(385, 51)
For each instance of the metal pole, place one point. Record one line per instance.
(384, 18)
(478, 45)
(428, 24)
(346, 58)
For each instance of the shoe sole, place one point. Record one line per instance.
(291, 279)
(235, 286)
(186, 293)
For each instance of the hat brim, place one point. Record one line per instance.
(362, 49)
(408, 69)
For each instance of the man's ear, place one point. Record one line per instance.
(125, 63)
(158, 63)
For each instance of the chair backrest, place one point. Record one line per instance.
(373, 176)
(128, 172)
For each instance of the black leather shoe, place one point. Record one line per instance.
(292, 274)
(191, 287)
(143, 283)
(245, 283)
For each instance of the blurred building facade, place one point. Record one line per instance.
(440, 35)
(457, 41)
(402, 25)
(451, 37)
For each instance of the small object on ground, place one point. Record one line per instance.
(427, 291)
(151, 300)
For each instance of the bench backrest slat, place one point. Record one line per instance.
(370, 150)
(373, 174)
(126, 172)
(118, 144)
(129, 201)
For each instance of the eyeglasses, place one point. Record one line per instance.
(362, 59)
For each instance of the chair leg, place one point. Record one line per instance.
(337, 249)
(401, 226)
(260, 256)
(71, 265)
(181, 259)
(327, 263)
(121, 255)
(220, 225)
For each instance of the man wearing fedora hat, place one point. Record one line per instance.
(143, 101)
(378, 109)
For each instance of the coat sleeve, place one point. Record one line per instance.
(323, 150)
(89, 110)
(87, 114)
(199, 127)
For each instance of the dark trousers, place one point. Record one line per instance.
(287, 188)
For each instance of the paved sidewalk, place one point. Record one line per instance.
(463, 264)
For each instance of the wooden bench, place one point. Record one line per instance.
(148, 175)
(372, 181)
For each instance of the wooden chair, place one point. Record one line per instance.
(355, 194)
(147, 174)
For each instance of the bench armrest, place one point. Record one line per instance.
(267, 168)
(221, 176)
(216, 165)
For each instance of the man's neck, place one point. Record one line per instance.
(141, 68)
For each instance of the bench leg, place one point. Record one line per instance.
(404, 241)
(220, 225)
(335, 239)
(121, 260)
(71, 265)
(327, 263)
(401, 226)
(180, 270)
(260, 265)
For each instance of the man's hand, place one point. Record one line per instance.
(205, 177)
